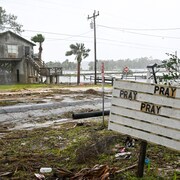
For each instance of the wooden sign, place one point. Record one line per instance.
(149, 112)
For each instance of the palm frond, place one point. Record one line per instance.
(69, 53)
(79, 51)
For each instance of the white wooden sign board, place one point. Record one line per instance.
(146, 111)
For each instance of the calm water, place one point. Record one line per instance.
(88, 76)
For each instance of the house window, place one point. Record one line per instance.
(12, 51)
(27, 51)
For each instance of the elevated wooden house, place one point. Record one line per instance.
(18, 64)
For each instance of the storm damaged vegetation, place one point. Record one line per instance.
(78, 149)
(47, 139)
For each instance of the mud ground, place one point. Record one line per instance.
(31, 108)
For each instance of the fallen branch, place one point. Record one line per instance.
(127, 168)
(8, 174)
(100, 172)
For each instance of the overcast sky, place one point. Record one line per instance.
(125, 28)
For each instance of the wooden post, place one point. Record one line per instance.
(142, 157)
(103, 80)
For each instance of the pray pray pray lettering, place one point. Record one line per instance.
(165, 91)
(150, 108)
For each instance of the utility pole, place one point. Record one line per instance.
(94, 26)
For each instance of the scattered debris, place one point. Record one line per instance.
(147, 161)
(121, 152)
(122, 149)
(123, 155)
(39, 176)
(46, 170)
(100, 172)
(75, 146)
(91, 91)
(23, 143)
(80, 124)
(127, 168)
(63, 173)
(129, 142)
(6, 174)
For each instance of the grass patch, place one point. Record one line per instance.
(74, 146)
(16, 87)
(7, 103)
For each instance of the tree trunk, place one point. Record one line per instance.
(40, 51)
(78, 72)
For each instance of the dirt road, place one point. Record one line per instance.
(27, 109)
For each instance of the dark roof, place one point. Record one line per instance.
(1, 34)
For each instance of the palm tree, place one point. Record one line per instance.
(80, 52)
(40, 39)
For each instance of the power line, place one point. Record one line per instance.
(117, 43)
(142, 29)
(151, 35)
(55, 33)
(122, 43)
(143, 34)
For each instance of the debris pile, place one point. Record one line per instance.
(98, 172)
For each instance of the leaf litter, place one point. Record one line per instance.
(76, 149)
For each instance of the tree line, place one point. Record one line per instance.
(66, 65)
(138, 63)
(110, 65)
